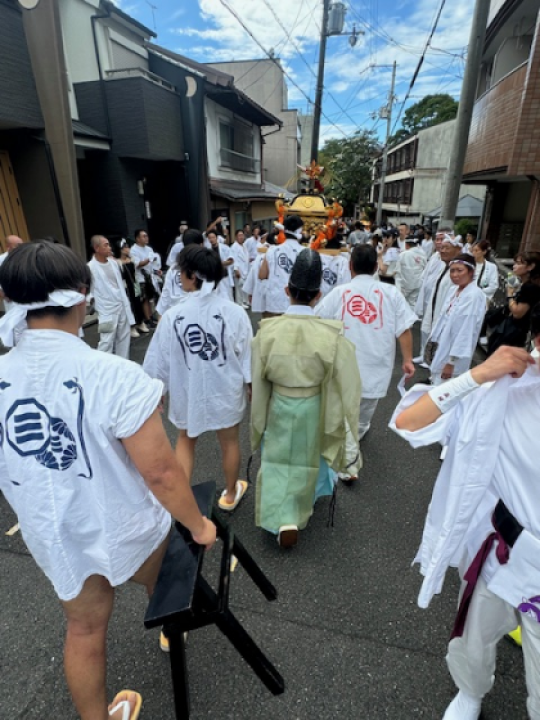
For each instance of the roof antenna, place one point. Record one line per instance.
(153, 8)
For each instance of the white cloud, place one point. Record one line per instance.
(215, 34)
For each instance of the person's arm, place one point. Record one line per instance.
(152, 454)
(425, 411)
(212, 225)
(516, 309)
(406, 346)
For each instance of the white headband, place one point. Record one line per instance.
(463, 262)
(15, 318)
(455, 241)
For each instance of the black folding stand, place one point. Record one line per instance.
(184, 601)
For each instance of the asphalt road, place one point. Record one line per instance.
(346, 632)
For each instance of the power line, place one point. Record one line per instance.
(306, 63)
(420, 63)
(293, 82)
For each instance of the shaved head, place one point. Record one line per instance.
(12, 241)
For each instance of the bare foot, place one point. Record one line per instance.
(132, 699)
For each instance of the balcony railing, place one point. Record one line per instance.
(238, 161)
(122, 73)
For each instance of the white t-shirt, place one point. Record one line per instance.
(201, 351)
(83, 507)
(374, 314)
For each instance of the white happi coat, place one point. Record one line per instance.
(111, 302)
(280, 259)
(254, 287)
(83, 507)
(240, 256)
(410, 269)
(201, 351)
(431, 273)
(252, 245)
(175, 251)
(458, 328)
(172, 291)
(432, 309)
(490, 436)
(145, 252)
(374, 315)
(224, 288)
(486, 277)
(336, 271)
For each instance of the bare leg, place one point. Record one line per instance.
(185, 452)
(85, 659)
(147, 310)
(230, 457)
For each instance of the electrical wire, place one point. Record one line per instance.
(420, 63)
(306, 63)
(287, 75)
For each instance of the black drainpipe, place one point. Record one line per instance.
(93, 19)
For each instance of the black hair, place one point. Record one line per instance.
(198, 261)
(529, 258)
(31, 272)
(535, 320)
(271, 238)
(364, 260)
(334, 243)
(192, 237)
(358, 225)
(292, 223)
(485, 246)
(137, 232)
(302, 297)
(241, 230)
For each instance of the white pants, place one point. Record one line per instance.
(471, 658)
(367, 408)
(241, 297)
(411, 296)
(353, 456)
(117, 341)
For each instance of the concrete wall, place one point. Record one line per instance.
(264, 82)
(214, 113)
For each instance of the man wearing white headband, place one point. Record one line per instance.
(278, 264)
(83, 442)
(450, 247)
(484, 515)
(112, 303)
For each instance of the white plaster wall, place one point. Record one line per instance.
(76, 17)
(264, 82)
(213, 113)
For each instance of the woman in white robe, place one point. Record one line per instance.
(201, 351)
(456, 332)
(486, 273)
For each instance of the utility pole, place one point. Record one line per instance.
(320, 84)
(465, 110)
(389, 107)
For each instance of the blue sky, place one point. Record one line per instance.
(207, 31)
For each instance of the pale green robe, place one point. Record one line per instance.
(306, 393)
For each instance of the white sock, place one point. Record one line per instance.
(463, 707)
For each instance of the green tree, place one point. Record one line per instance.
(431, 110)
(347, 164)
